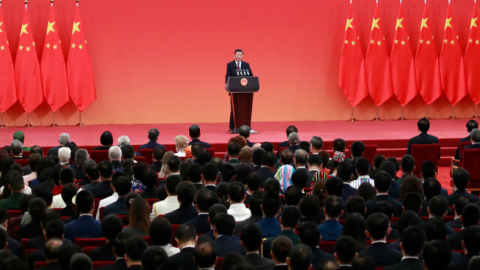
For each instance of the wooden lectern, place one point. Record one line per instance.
(241, 89)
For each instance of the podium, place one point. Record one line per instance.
(241, 89)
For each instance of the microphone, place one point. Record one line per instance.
(248, 73)
(238, 74)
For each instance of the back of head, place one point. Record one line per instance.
(244, 131)
(389, 167)
(122, 185)
(317, 143)
(357, 149)
(65, 254)
(271, 204)
(84, 201)
(64, 154)
(256, 202)
(224, 223)
(174, 164)
(153, 134)
(92, 171)
(36, 208)
(149, 178)
(437, 255)
(301, 157)
(54, 228)
(300, 178)
(383, 207)
(194, 173)
(428, 169)
(205, 255)
(215, 210)
(354, 226)
(438, 206)
(33, 161)
(210, 172)
(251, 237)
(51, 248)
(333, 206)
(304, 145)
(344, 171)
(363, 262)
(106, 169)
(172, 183)
(158, 153)
(233, 149)
(186, 193)
(241, 173)
(460, 203)
(290, 217)
(412, 240)
(45, 193)
(196, 149)
(461, 177)
(475, 135)
(345, 248)
(106, 139)
(185, 233)
(231, 260)
(254, 181)
(152, 257)
(293, 195)
(81, 261)
(471, 124)
(267, 146)
(67, 176)
(431, 188)
(377, 225)
(269, 159)
(471, 239)
(204, 157)
(408, 164)
(362, 165)
(205, 199)
(293, 138)
(281, 248)
(309, 205)
(355, 204)
(68, 191)
(309, 234)
(160, 224)
(383, 180)
(334, 186)
(315, 160)
(470, 215)
(407, 218)
(134, 248)
(111, 226)
(15, 182)
(194, 131)
(257, 154)
(272, 184)
(236, 192)
(300, 257)
(412, 201)
(423, 125)
(339, 145)
(435, 230)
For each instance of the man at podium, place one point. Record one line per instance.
(235, 68)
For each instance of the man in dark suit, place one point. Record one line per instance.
(80, 157)
(63, 139)
(157, 156)
(394, 190)
(300, 160)
(377, 226)
(456, 223)
(194, 133)
(344, 172)
(134, 248)
(475, 137)
(436, 230)
(233, 152)
(205, 200)
(251, 237)
(186, 195)
(382, 185)
(85, 226)
(437, 209)
(54, 229)
(280, 251)
(471, 124)
(411, 244)
(436, 255)
(257, 154)
(186, 237)
(310, 236)
(111, 226)
(255, 202)
(37, 209)
(423, 138)
(431, 188)
(331, 228)
(460, 180)
(153, 134)
(50, 253)
(289, 130)
(205, 255)
(235, 68)
(210, 176)
(345, 252)
(225, 242)
(407, 164)
(119, 252)
(212, 213)
(194, 174)
(470, 217)
(269, 225)
(429, 170)
(104, 189)
(122, 187)
(293, 141)
(472, 248)
(289, 221)
(244, 131)
(268, 167)
(16, 185)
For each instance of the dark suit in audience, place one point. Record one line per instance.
(269, 226)
(51, 266)
(348, 191)
(450, 231)
(397, 206)
(39, 242)
(149, 193)
(287, 233)
(198, 186)
(30, 230)
(47, 184)
(200, 223)
(116, 208)
(423, 138)
(150, 145)
(258, 262)
(407, 263)
(212, 188)
(79, 174)
(253, 219)
(265, 173)
(226, 244)
(185, 259)
(382, 254)
(423, 211)
(452, 198)
(119, 264)
(462, 263)
(14, 246)
(102, 190)
(455, 241)
(394, 190)
(455, 224)
(103, 253)
(457, 152)
(156, 166)
(84, 227)
(182, 214)
(53, 152)
(197, 141)
(281, 267)
(319, 255)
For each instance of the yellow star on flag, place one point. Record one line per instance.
(24, 29)
(476, 42)
(424, 23)
(80, 47)
(472, 24)
(428, 42)
(50, 27)
(371, 41)
(447, 23)
(28, 49)
(403, 42)
(2, 47)
(48, 45)
(396, 41)
(353, 42)
(54, 47)
(421, 40)
(446, 41)
(75, 27)
(1, 27)
(399, 23)
(349, 25)
(21, 47)
(346, 41)
(379, 43)
(408, 37)
(470, 40)
(452, 42)
(33, 43)
(73, 45)
(375, 23)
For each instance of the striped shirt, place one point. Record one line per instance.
(284, 176)
(360, 180)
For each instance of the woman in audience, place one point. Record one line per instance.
(184, 168)
(181, 142)
(106, 139)
(366, 191)
(6, 164)
(337, 159)
(319, 191)
(411, 183)
(164, 171)
(139, 216)
(354, 226)
(137, 184)
(5, 193)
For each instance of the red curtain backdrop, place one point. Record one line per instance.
(164, 61)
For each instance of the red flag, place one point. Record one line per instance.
(426, 63)
(79, 68)
(472, 59)
(402, 64)
(54, 73)
(8, 93)
(27, 69)
(352, 67)
(377, 64)
(452, 72)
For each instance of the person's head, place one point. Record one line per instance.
(315, 161)
(316, 144)
(111, 226)
(186, 234)
(362, 165)
(411, 183)
(134, 248)
(152, 257)
(269, 159)
(304, 145)
(196, 149)
(106, 139)
(253, 181)
(238, 54)
(435, 229)
(215, 210)
(301, 157)
(355, 204)
(45, 193)
(300, 178)
(345, 249)
(246, 154)
(54, 227)
(66, 176)
(231, 260)
(271, 204)
(357, 150)
(33, 161)
(15, 182)
(280, 249)
(272, 184)
(437, 206)
(290, 218)
(251, 237)
(244, 131)
(181, 142)
(92, 170)
(470, 215)
(65, 254)
(471, 238)
(194, 173)
(333, 207)
(339, 145)
(173, 164)
(67, 193)
(84, 201)
(354, 226)
(205, 255)
(344, 171)
(461, 177)
(309, 205)
(233, 150)
(431, 188)
(81, 261)
(293, 195)
(389, 167)
(412, 201)
(383, 180)
(474, 263)
(407, 164)
(412, 240)
(64, 154)
(51, 248)
(194, 131)
(106, 170)
(293, 138)
(256, 203)
(257, 154)
(160, 224)
(158, 153)
(334, 186)
(378, 226)
(222, 193)
(423, 125)
(186, 193)
(241, 173)
(309, 234)
(236, 192)
(267, 146)
(122, 186)
(471, 124)
(300, 257)
(475, 135)
(428, 170)
(363, 262)
(223, 223)
(36, 208)
(459, 204)
(149, 178)
(153, 134)
(81, 156)
(172, 183)
(436, 255)
(205, 200)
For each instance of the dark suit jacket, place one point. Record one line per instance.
(51, 266)
(318, 256)
(103, 253)
(397, 206)
(84, 227)
(149, 193)
(293, 148)
(53, 152)
(455, 224)
(410, 264)
(228, 243)
(156, 166)
(201, 223)
(281, 267)
(457, 152)
(119, 264)
(394, 191)
(79, 174)
(455, 241)
(269, 226)
(250, 144)
(253, 219)
(452, 198)
(116, 208)
(423, 138)
(382, 254)
(330, 230)
(258, 262)
(182, 214)
(102, 190)
(48, 184)
(198, 186)
(101, 148)
(462, 263)
(256, 167)
(15, 247)
(185, 259)
(265, 173)
(348, 191)
(268, 242)
(472, 146)
(150, 145)
(232, 69)
(212, 188)
(450, 231)
(197, 141)
(30, 230)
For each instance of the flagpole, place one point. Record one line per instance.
(401, 118)
(426, 106)
(476, 115)
(353, 119)
(27, 125)
(453, 117)
(1, 124)
(376, 117)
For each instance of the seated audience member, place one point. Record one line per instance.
(236, 197)
(251, 240)
(246, 155)
(471, 124)
(194, 173)
(310, 235)
(344, 172)
(172, 166)
(257, 154)
(315, 163)
(36, 209)
(437, 208)
(407, 218)
(301, 258)
(204, 157)
(152, 257)
(163, 239)
(300, 179)
(186, 237)
(309, 208)
(46, 179)
(81, 155)
(378, 229)
(138, 169)
(300, 160)
(390, 168)
(293, 141)
(363, 262)
(104, 189)
(186, 211)
(290, 129)
(157, 156)
(231, 260)
(50, 253)
(64, 156)
(33, 161)
(67, 176)
(331, 228)
(475, 139)
(431, 188)
(244, 131)
(367, 192)
(196, 149)
(212, 213)
(111, 226)
(222, 194)
(284, 172)
(63, 139)
(436, 255)
(205, 200)
(289, 223)
(39, 192)
(233, 151)
(268, 167)
(92, 172)
(119, 252)
(470, 245)
(210, 177)
(269, 225)
(194, 133)
(345, 252)
(15, 185)
(460, 181)
(181, 142)
(355, 204)
(428, 170)
(149, 179)
(122, 186)
(252, 183)
(255, 209)
(470, 217)
(316, 144)
(273, 185)
(171, 203)
(436, 230)
(387, 209)
(152, 137)
(412, 201)
(13, 245)
(139, 218)
(362, 167)
(115, 157)
(304, 145)
(424, 138)
(225, 242)
(411, 244)
(134, 248)
(354, 227)
(382, 186)
(85, 226)
(281, 248)
(56, 179)
(80, 261)
(111, 199)
(406, 166)
(458, 208)
(106, 141)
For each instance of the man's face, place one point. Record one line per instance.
(238, 56)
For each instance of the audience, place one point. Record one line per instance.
(134, 248)
(331, 229)
(310, 236)
(236, 197)
(85, 226)
(411, 244)
(186, 238)
(171, 203)
(251, 240)
(269, 225)
(186, 211)
(289, 222)
(345, 252)
(461, 178)
(281, 248)
(424, 138)
(301, 258)
(225, 242)
(152, 140)
(122, 186)
(382, 186)
(205, 200)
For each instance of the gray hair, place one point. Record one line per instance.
(81, 156)
(17, 147)
(293, 138)
(80, 261)
(64, 154)
(115, 153)
(301, 156)
(64, 138)
(123, 140)
(475, 135)
(90, 162)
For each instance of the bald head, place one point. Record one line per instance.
(246, 154)
(50, 252)
(301, 157)
(81, 261)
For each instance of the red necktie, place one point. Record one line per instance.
(238, 65)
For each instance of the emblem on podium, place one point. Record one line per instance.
(244, 81)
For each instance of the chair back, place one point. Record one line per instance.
(471, 163)
(212, 151)
(142, 159)
(90, 242)
(425, 152)
(97, 203)
(281, 149)
(147, 154)
(12, 224)
(218, 266)
(326, 246)
(14, 213)
(22, 162)
(462, 145)
(99, 155)
(174, 229)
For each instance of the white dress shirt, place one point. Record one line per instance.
(29, 177)
(166, 206)
(239, 211)
(106, 202)
(170, 250)
(180, 154)
(58, 202)
(26, 190)
(238, 65)
(360, 180)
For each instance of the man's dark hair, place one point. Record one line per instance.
(15, 181)
(224, 223)
(65, 254)
(316, 142)
(238, 50)
(431, 188)
(106, 138)
(36, 150)
(33, 160)
(290, 217)
(333, 206)
(257, 154)
(286, 156)
(460, 203)
(47, 216)
(204, 157)
(92, 170)
(358, 148)
(423, 125)
(269, 159)
(470, 215)
(215, 210)
(55, 228)
(152, 257)
(339, 145)
(254, 181)
(134, 248)
(111, 226)
(172, 183)
(435, 229)
(346, 248)
(196, 149)
(210, 172)
(149, 178)
(138, 170)
(205, 199)
(437, 255)
(205, 254)
(334, 186)
(45, 193)
(315, 160)
(194, 172)
(304, 145)
(185, 232)
(407, 163)
(271, 204)
(428, 169)
(36, 207)
(233, 149)
(471, 124)
(300, 178)
(291, 129)
(106, 169)
(122, 185)
(383, 180)
(309, 233)
(153, 134)
(281, 248)
(377, 225)
(412, 240)
(231, 260)
(293, 195)
(236, 191)
(412, 201)
(309, 205)
(255, 202)
(362, 165)
(174, 164)
(301, 257)
(384, 207)
(388, 167)
(363, 262)
(158, 153)
(355, 204)
(186, 193)
(160, 224)
(461, 177)
(84, 201)
(244, 131)
(67, 176)
(438, 206)
(251, 236)
(68, 191)
(243, 169)
(344, 171)
(395, 162)
(194, 131)
(267, 146)
(272, 184)
(471, 238)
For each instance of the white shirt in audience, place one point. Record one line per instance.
(58, 202)
(170, 250)
(106, 202)
(163, 207)
(181, 154)
(360, 180)
(239, 211)
(29, 177)
(26, 190)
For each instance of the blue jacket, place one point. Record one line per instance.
(348, 191)
(84, 227)
(197, 141)
(150, 145)
(226, 244)
(330, 230)
(116, 208)
(270, 227)
(201, 223)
